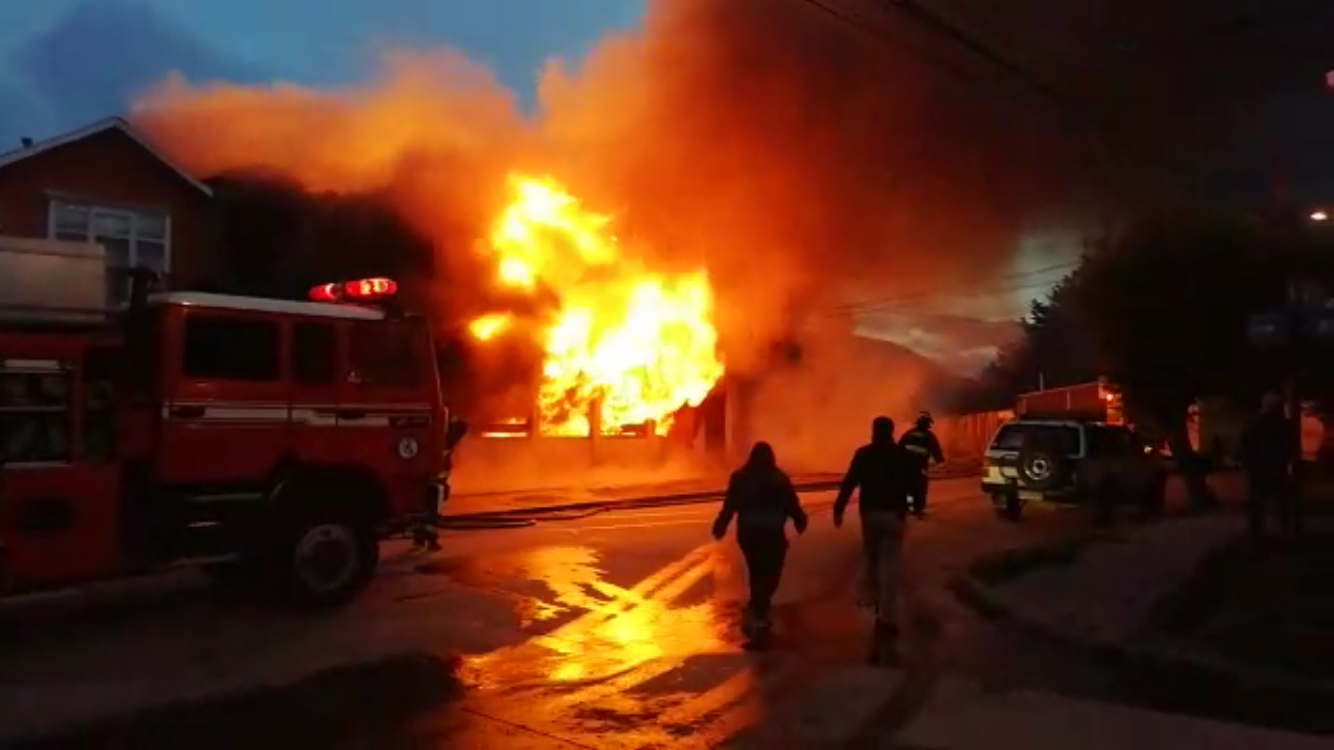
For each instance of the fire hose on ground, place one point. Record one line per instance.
(527, 517)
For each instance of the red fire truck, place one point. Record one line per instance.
(269, 441)
(1094, 400)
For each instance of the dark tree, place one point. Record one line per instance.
(1166, 307)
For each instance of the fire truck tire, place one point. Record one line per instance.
(327, 557)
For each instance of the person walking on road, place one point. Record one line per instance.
(1268, 452)
(763, 500)
(924, 449)
(882, 475)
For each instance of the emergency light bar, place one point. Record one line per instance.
(362, 290)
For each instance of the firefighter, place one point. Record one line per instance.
(882, 474)
(923, 447)
(425, 535)
(762, 498)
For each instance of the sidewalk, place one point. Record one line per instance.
(963, 716)
(1103, 592)
(485, 505)
(1132, 597)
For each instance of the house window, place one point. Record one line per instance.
(132, 238)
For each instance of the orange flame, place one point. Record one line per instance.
(641, 344)
(489, 326)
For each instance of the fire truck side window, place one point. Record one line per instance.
(385, 354)
(34, 415)
(314, 353)
(220, 347)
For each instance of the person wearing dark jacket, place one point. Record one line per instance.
(762, 499)
(1268, 452)
(922, 448)
(882, 475)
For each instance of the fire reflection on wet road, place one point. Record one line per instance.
(649, 663)
(657, 661)
(641, 661)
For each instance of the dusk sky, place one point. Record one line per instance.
(137, 41)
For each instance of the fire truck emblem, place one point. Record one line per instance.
(407, 448)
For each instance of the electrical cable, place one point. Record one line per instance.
(965, 289)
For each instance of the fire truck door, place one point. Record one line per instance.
(226, 412)
(315, 355)
(59, 517)
(386, 406)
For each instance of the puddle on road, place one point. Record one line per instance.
(618, 630)
(655, 661)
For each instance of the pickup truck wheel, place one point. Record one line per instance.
(1008, 506)
(327, 559)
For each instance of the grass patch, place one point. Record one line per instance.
(1203, 592)
(1270, 607)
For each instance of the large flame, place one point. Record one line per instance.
(633, 345)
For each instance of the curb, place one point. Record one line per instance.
(977, 595)
(643, 501)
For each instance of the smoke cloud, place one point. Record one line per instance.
(787, 152)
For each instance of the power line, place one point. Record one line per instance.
(879, 34)
(960, 284)
(882, 304)
(943, 28)
(900, 306)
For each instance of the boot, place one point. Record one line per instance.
(883, 642)
(748, 622)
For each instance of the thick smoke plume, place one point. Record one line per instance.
(784, 150)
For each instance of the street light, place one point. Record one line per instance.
(1319, 216)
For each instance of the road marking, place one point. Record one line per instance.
(638, 674)
(644, 591)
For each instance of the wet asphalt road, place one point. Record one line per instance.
(613, 630)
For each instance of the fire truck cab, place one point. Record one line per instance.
(271, 441)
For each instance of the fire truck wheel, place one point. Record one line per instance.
(329, 559)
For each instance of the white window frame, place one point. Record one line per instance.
(52, 208)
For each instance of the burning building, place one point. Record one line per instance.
(670, 208)
(623, 347)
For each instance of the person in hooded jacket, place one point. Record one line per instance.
(883, 475)
(762, 499)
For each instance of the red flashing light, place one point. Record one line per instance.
(325, 293)
(360, 290)
(370, 288)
